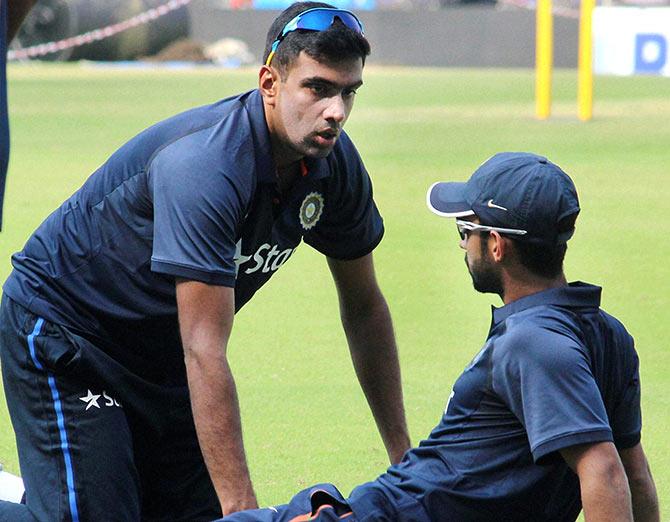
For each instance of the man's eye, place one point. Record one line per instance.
(319, 90)
(349, 93)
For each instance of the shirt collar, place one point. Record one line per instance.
(266, 170)
(574, 295)
(317, 167)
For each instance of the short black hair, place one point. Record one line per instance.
(545, 260)
(335, 44)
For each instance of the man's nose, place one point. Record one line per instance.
(336, 109)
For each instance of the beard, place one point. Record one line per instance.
(485, 276)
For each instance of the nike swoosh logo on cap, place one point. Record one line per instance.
(491, 204)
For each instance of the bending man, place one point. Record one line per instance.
(125, 296)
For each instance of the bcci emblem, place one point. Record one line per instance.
(311, 210)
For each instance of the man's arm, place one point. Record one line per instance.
(367, 325)
(641, 483)
(205, 320)
(602, 480)
(16, 12)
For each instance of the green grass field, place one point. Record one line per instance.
(305, 419)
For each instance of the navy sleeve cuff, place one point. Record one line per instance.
(543, 452)
(195, 274)
(351, 254)
(627, 441)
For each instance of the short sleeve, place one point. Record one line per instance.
(545, 379)
(351, 226)
(626, 417)
(197, 208)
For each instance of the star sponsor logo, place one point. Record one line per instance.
(311, 210)
(93, 400)
(267, 258)
(239, 258)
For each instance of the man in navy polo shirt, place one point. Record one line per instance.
(545, 420)
(116, 317)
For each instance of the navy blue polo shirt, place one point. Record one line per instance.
(192, 197)
(555, 371)
(4, 119)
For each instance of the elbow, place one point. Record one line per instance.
(190, 355)
(616, 474)
(372, 308)
(202, 354)
(608, 472)
(193, 359)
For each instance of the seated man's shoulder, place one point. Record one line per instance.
(537, 322)
(615, 325)
(541, 336)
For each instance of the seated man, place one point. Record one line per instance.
(545, 420)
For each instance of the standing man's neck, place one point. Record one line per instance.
(282, 155)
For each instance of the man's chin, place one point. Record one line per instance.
(487, 285)
(318, 152)
(485, 282)
(319, 147)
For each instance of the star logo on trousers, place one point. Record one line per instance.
(90, 399)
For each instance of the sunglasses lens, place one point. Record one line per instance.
(322, 19)
(350, 21)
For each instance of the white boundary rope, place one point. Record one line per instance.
(96, 35)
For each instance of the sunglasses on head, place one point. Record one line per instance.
(317, 19)
(468, 226)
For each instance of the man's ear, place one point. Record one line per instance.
(268, 82)
(498, 247)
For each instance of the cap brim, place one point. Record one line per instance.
(447, 199)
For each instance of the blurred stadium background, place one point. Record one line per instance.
(449, 83)
(461, 33)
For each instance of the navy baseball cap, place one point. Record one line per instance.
(515, 190)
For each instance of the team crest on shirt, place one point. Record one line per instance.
(311, 210)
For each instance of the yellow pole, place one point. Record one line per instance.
(585, 74)
(544, 43)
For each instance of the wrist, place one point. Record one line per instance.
(239, 503)
(397, 448)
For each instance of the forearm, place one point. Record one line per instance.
(641, 483)
(374, 354)
(645, 503)
(606, 497)
(217, 420)
(644, 497)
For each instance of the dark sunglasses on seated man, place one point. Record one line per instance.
(468, 226)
